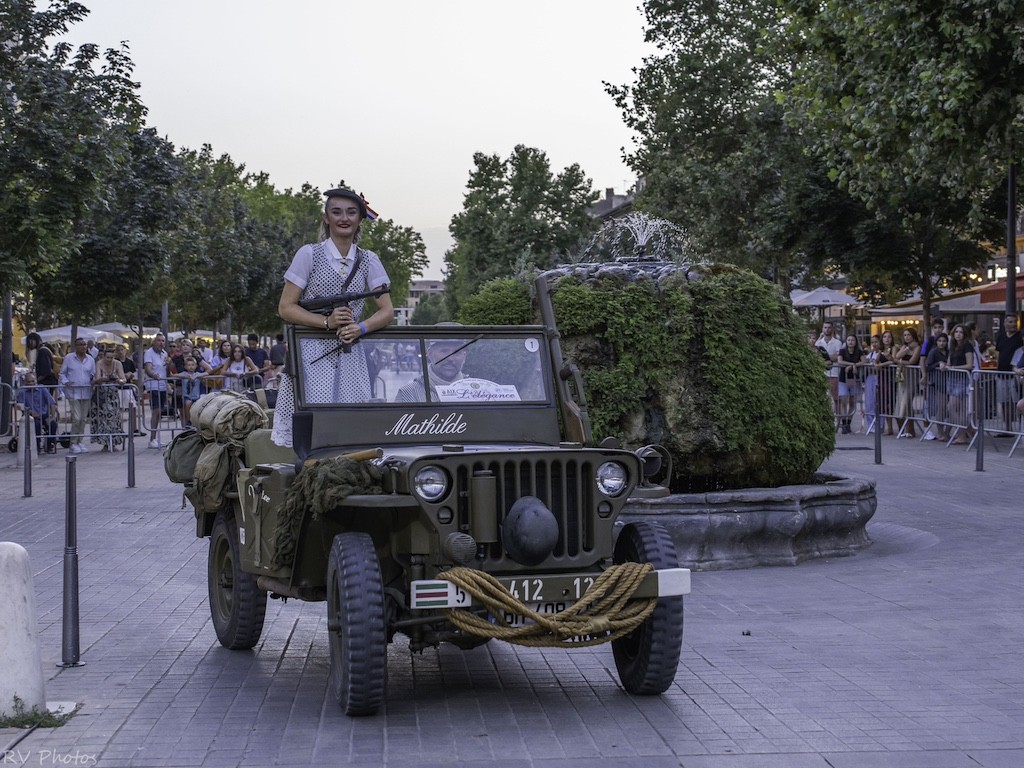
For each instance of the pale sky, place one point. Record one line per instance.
(394, 96)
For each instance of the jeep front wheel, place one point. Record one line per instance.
(237, 605)
(355, 624)
(647, 657)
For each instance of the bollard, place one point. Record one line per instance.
(21, 674)
(129, 443)
(69, 644)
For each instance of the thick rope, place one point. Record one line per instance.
(604, 613)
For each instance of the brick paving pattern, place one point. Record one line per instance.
(904, 655)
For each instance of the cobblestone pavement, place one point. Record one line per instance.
(906, 654)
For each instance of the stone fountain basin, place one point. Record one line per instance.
(763, 526)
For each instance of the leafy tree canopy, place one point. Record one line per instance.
(514, 207)
(899, 94)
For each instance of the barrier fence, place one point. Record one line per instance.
(951, 405)
(104, 416)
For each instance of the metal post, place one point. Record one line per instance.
(979, 449)
(27, 452)
(130, 443)
(70, 652)
(1011, 241)
(878, 424)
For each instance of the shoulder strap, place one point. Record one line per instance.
(355, 268)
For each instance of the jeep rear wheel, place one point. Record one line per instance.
(237, 605)
(355, 624)
(647, 657)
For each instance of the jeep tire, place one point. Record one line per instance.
(237, 605)
(355, 624)
(647, 657)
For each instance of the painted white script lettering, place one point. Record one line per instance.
(452, 424)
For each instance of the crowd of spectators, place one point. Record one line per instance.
(94, 382)
(930, 382)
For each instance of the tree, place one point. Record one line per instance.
(124, 244)
(915, 107)
(925, 92)
(67, 120)
(401, 251)
(430, 310)
(515, 209)
(713, 152)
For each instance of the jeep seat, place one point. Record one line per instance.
(260, 449)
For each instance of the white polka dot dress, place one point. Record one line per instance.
(336, 376)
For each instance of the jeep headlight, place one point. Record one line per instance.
(431, 483)
(612, 478)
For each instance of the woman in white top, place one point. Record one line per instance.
(236, 368)
(334, 265)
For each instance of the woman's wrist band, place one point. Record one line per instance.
(326, 319)
(362, 329)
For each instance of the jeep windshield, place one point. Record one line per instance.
(425, 366)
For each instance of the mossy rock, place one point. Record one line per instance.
(708, 361)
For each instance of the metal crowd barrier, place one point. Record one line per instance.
(953, 406)
(172, 416)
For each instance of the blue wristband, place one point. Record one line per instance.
(362, 329)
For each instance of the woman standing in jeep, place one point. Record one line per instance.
(334, 265)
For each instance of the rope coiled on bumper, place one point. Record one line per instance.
(604, 613)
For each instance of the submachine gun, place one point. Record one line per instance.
(328, 304)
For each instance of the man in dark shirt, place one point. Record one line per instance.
(1008, 342)
(259, 356)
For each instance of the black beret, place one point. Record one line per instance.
(348, 194)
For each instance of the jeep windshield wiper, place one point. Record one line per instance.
(456, 351)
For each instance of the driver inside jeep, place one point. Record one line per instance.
(448, 384)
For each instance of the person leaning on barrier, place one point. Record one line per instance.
(105, 423)
(935, 397)
(41, 406)
(907, 357)
(961, 358)
(155, 365)
(831, 344)
(76, 374)
(1007, 344)
(849, 361)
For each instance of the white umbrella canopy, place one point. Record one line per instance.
(119, 328)
(200, 333)
(63, 333)
(823, 297)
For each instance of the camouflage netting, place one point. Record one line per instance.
(707, 360)
(321, 487)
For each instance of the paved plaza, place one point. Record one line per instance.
(905, 655)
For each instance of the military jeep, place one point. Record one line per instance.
(402, 491)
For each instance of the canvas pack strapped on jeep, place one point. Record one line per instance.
(182, 455)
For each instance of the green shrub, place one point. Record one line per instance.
(711, 363)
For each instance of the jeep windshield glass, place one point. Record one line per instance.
(391, 368)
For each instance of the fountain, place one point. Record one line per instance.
(709, 361)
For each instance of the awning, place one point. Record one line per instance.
(996, 293)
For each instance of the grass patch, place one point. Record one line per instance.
(32, 718)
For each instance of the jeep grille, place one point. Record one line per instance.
(566, 486)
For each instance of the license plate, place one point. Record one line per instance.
(546, 592)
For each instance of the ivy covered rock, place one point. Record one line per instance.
(708, 361)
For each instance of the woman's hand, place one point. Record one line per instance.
(339, 318)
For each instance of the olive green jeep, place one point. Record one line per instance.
(454, 495)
